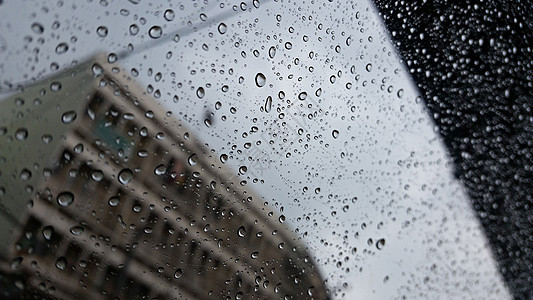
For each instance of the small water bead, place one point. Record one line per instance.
(21, 134)
(61, 48)
(61, 263)
(178, 273)
(222, 28)
(302, 96)
(136, 208)
(169, 15)
(242, 170)
(400, 93)
(101, 31)
(97, 175)
(65, 199)
(288, 45)
(113, 201)
(125, 176)
(380, 244)
(348, 41)
(260, 79)
(268, 104)
(160, 170)
(76, 230)
(203, 17)
(193, 160)
(47, 138)
(55, 86)
(241, 232)
(368, 67)
(200, 92)
(37, 28)
(218, 105)
(335, 134)
(224, 158)
(155, 32)
(47, 232)
(16, 262)
(134, 29)
(272, 52)
(254, 255)
(69, 117)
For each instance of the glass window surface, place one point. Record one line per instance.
(224, 150)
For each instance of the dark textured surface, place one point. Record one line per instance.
(472, 62)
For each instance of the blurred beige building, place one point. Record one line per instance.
(105, 194)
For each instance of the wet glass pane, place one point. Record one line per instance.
(224, 150)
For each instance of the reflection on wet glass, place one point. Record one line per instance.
(122, 201)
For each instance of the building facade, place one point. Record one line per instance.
(105, 194)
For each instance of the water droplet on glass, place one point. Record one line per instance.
(65, 199)
(101, 31)
(47, 232)
(224, 158)
(178, 273)
(193, 160)
(61, 48)
(218, 105)
(76, 230)
(136, 208)
(160, 170)
(335, 134)
(97, 175)
(55, 86)
(380, 244)
(200, 92)
(242, 170)
(400, 93)
(302, 96)
(203, 17)
(37, 28)
(68, 117)
(255, 255)
(155, 32)
(25, 174)
(260, 79)
(241, 231)
(114, 201)
(272, 52)
(348, 41)
(97, 70)
(61, 263)
(134, 29)
(281, 218)
(125, 176)
(222, 28)
(288, 45)
(268, 104)
(368, 67)
(15, 263)
(21, 134)
(169, 15)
